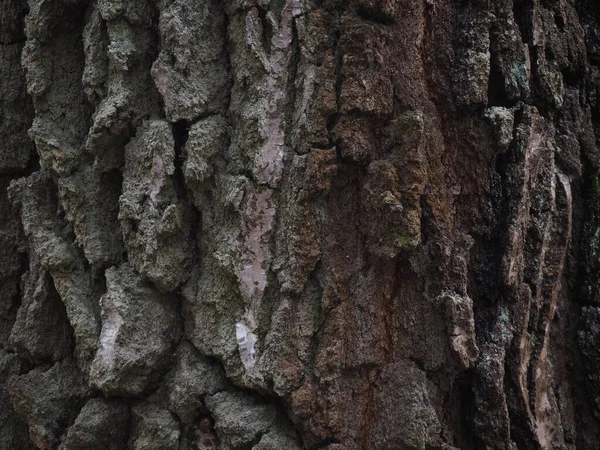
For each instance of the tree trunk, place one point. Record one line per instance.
(299, 224)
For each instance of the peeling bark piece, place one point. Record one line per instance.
(100, 425)
(191, 69)
(153, 223)
(461, 328)
(502, 121)
(140, 328)
(154, 428)
(532, 197)
(49, 400)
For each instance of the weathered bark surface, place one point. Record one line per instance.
(299, 224)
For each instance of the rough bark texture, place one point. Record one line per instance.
(299, 224)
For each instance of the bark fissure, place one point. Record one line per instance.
(299, 224)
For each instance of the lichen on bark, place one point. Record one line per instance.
(299, 224)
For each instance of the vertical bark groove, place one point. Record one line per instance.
(299, 224)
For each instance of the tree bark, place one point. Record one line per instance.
(299, 224)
